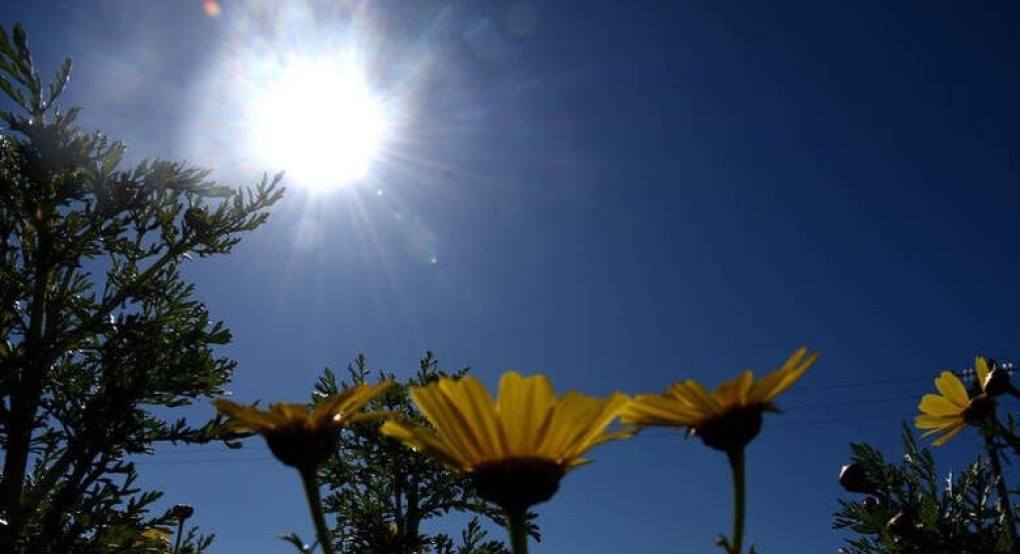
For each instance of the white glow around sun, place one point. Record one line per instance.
(318, 121)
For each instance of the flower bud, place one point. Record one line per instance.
(854, 478)
(182, 511)
(997, 382)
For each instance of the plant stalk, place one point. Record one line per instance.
(517, 525)
(180, 533)
(311, 484)
(736, 458)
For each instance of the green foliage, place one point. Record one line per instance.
(99, 330)
(910, 509)
(473, 540)
(382, 492)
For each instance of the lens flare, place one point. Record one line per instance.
(211, 8)
(318, 121)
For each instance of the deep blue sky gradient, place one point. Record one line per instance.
(620, 194)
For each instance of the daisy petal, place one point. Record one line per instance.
(952, 389)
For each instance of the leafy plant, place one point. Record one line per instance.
(908, 508)
(100, 332)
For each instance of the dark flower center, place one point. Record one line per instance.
(300, 446)
(980, 409)
(733, 429)
(516, 483)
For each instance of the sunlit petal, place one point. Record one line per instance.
(981, 369)
(524, 405)
(514, 449)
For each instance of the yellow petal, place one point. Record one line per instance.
(697, 396)
(287, 412)
(424, 440)
(339, 408)
(447, 420)
(734, 391)
(524, 406)
(480, 413)
(659, 410)
(781, 379)
(246, 418)
(591, 431)
(952, 389)
(981, 368)
(925, 421)
(677, 393)
(950, 433)
(572, 418)
(938, 406)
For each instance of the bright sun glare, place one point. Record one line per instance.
(318, 121)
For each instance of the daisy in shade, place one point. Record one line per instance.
(727, 418)
(945, 414)
(303, 438)
(297, 436)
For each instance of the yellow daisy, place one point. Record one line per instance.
(727, 418)
(949, 412)
(517, 448)
(297, 436)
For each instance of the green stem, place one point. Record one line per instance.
(1000, 485)
(739, 501)
(311, 484)
(180, 533)
(517, 524)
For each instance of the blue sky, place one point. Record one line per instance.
(619, 194)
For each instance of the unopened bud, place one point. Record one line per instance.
(182, 511)
(854, 478)
(997, 381)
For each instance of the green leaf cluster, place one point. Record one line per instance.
(99, 332)
(911, 510)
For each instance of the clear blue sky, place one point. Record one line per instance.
(619, 194)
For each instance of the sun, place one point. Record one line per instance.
(318, 120)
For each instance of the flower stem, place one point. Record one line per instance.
(517, 525)
(180, 532)
(739, 501)
(311, 484)
(1000, 485)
